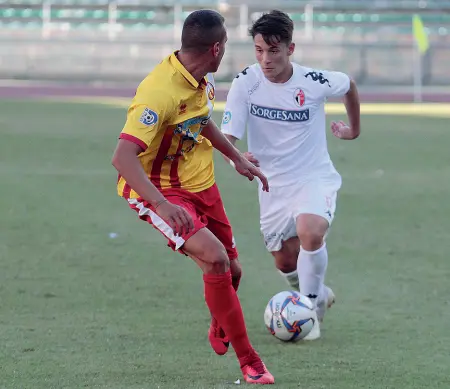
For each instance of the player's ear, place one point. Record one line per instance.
(291, 48)
(216, 49)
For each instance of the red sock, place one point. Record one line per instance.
(224, 305)
(235, 282)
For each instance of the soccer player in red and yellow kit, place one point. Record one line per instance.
(165, 162)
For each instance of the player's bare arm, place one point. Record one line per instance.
(352, 105)
(128, 165)
(250, 157)
(221, 143)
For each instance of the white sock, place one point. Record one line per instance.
(311, 268)
(291, 278)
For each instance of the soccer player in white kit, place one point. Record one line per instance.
(281, 104)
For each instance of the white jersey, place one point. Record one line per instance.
(285, 122)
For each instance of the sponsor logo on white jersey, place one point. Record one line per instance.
(279, 114)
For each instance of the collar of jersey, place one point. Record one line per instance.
(179, 66)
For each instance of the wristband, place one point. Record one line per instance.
(160, 202)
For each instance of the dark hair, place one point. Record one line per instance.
(274, 26)
(201, 30)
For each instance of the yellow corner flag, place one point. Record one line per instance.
(420, 34)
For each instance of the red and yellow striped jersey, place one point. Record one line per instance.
(165, 118)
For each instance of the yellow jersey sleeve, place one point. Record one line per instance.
(146, 117)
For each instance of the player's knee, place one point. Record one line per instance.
(311, 230)
(215, 259)
(311, 240)
(218, 264)
(236, 269)
(284, 262)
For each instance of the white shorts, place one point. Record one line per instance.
(280, 207)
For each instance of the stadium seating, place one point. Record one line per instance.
(121, 40)
(124, 14)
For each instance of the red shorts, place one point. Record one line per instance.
(206, 209)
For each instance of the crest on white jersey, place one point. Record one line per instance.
(299, 97)
(226, 117)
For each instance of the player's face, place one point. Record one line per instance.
(274, 58)
(218, 51)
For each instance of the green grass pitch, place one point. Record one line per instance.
(79, 309)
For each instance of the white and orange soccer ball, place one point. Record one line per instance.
(289, 316)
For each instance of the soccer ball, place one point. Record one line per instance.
(289, 316)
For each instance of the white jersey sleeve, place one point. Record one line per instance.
(333, 84)
(235, 115)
